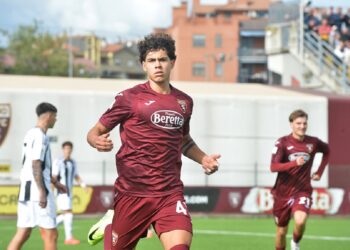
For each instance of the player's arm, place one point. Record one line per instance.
(58, 185)
(190, 149)
(98, 137)
(324, 149)
(39, 180)
(276, 160)
(80, 182)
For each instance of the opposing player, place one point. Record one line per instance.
(65, 171)
(292, 158)
(154, 119)
(36, 206)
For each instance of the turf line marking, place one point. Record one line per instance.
(312, 237)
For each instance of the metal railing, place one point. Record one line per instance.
(323, 54)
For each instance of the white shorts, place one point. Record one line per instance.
(64, 202)
(30, 214)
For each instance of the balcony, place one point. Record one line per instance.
(252, 55)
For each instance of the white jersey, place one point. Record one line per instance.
(66, 171)
(36, 147)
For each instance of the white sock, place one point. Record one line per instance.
(59, 219)
(68, 223)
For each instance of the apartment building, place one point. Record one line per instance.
(210, 40)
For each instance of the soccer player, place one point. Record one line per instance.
(154, 119)
(65, 171)
(292, 159)
(36, 206)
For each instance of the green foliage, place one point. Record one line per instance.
(38, 53)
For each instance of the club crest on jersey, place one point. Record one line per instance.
(310, 147)
(5, 118)
(182, 104)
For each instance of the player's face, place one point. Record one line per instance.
(299, 127)
(158, 66)
(67, 151)
(52, 117)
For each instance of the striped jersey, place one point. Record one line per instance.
(36, 146)
(66, 171)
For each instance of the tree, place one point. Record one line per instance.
(38, 53)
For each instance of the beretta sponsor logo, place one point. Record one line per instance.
(168, 119)
(5, 118)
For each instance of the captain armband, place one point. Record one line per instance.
(189, 144)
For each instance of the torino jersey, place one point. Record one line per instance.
(66, 171)
(293, 179)
(36, 147)
(152, 127)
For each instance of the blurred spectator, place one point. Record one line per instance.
(324, 30)
(334, 18)
(334, 37)
(345, 35)
(340, 50)
(347, 53)
(346, 19)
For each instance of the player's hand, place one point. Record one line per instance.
(300, 161)
(210, 163)
(60, 187)
(42, 199)
(103, 143)
(315, 177)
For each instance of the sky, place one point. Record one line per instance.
(113, 19)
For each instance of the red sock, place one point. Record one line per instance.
(180, 247)
(107, 241)
(296, 237)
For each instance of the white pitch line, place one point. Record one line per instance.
(312, 237)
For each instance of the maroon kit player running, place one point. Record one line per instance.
(154, 119)
(292, 158)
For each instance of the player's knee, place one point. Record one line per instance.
(180, 247)
(282, 231)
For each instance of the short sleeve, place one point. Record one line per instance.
(75, 167)
(39, 147)
(277, 152)
(56, 167)
(322, 146)
(186, 127)
(118, 112)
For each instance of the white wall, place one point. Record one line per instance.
(242, 128)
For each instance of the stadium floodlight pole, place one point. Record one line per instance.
(301, 29)
(70, 54)
(302, 5)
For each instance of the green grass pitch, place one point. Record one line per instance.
(213, 233)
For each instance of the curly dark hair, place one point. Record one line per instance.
(154, 42)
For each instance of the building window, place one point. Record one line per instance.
(130, 63)
(218, 41)
(117, 61)
(198, 69)
(198, 40)
(219, 70)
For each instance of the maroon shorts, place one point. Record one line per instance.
(133, 216)
(283, 208)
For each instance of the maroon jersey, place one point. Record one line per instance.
(152, 127)
(293, 179)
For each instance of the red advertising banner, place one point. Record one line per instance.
(255, 200)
